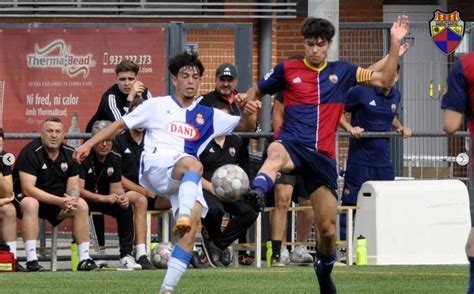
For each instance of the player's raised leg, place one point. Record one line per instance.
(278, 160)
(189, 170)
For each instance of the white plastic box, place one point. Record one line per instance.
(413, 222)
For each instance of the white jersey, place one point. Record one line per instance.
(171, 128)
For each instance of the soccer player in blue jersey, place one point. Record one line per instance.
(372, 110)
(459, 100)
(314, 91)
(177, 130)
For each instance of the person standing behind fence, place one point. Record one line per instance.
(46, 184)
(314, 92)
(457, 102)
(177, 131)
(7, 209)
(372, 110)
(130, 147)
(116, 100)
(101, 186)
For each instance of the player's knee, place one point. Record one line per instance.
(282, 201)
(328, 230)
(140, 202)
(29, 205)
(195, 166)
(7, 211)
(82, 206)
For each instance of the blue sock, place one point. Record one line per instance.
(326, 263)
(177, 265)
(471, 275)
(262, 182)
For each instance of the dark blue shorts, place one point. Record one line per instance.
(357, 174)
(316, 168)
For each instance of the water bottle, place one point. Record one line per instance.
(269, 254)
(361, 253)
(74, 257)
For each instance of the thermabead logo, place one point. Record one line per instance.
(71, 64)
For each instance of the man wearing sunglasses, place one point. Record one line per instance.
(115, 101)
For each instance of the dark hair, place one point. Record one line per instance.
(398, 68)
(185, 59)
(135, 102)
(2, 133)
(127, 65)
(317, 28)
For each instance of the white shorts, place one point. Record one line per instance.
(155, 175)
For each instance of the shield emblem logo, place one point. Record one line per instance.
(64, 166)
(110, 171)
(447, 31)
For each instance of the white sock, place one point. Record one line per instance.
(83, 250)
(141, 250)
(176, 269)
(12, 245)
(187, 197)
(30, 248)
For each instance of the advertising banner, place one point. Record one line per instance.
(63, 72)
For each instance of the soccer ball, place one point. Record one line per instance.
(161, 254)
(230, 183)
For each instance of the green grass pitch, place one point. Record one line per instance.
(367, 279)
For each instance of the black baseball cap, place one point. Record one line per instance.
(226, 70)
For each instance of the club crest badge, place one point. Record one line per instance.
(446, 30)
(110, 171)
(394, 107)
(64, 166)
(199, 119)
(333, 78)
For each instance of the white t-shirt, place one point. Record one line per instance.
(170, 127)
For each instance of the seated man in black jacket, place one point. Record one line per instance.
(221, 151)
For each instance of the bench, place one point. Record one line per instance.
(164, 214)
(348, 210)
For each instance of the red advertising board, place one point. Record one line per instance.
(63, 72)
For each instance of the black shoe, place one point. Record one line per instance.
(197, 261)
(34, 266)
(19, 267)
(87, 265)
(145, 263)
(213, 253)
(326, 285)
(227, 257)
(255, 199)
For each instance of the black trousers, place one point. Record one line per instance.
(124, 218)
(242, 217)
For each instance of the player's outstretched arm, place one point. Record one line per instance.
(253, 94)
(111, 131)
(378, 66)
(385, 77)
(248, 110)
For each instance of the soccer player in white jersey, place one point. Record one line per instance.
(177, 131)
